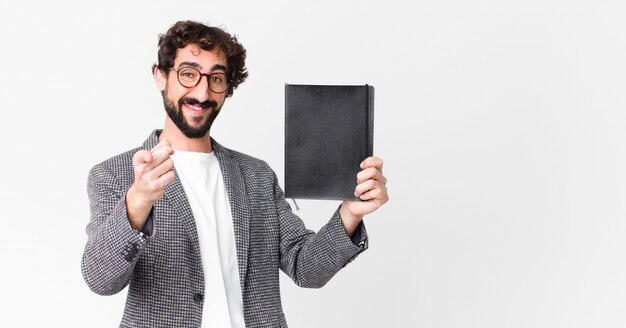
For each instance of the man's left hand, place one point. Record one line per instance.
(371, 189)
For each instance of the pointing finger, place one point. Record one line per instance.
(167, 145)
(159, 155)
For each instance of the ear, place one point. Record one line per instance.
(159, 79)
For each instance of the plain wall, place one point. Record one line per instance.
(501, 124)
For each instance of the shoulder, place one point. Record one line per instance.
(247, 163)
(242, 169)
(118, 167)
(120, 161)
(121, 166)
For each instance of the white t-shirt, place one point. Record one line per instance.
(202, 180)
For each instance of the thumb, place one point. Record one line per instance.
(142, 157)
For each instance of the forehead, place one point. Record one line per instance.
(205, 59)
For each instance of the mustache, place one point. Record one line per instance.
(195, 102)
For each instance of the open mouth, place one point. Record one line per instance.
(196, 107)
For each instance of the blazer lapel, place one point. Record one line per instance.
(240, 208)
(176, 198)
(175, 195)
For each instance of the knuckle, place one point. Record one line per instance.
(154, 186)
(148, 176)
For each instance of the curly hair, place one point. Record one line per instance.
(208, 38)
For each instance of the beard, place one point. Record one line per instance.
(176, 115)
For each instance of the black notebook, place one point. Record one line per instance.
(328, 133)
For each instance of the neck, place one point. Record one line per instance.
(179, 141)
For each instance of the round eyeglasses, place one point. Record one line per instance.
(189, 77)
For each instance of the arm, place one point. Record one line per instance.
(113, 247)
(310, 259)
(118, 213)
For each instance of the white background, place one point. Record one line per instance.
(501, 124)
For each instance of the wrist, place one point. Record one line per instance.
(137, 209)
(349, 220)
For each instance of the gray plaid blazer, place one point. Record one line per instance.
(164, 270)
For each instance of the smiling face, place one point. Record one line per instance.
(192, 110)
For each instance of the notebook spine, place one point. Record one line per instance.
(369, 117)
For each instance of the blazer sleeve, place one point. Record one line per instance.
(311, 259)
(113, 247)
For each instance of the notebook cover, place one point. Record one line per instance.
(328, 132)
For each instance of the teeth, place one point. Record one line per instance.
(197, 108)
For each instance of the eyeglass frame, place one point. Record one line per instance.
(208, 76)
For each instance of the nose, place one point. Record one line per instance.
(201, 91)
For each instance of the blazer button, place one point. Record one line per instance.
(197, 297)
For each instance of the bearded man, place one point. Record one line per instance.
(197, 231)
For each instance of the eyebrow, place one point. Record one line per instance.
(215, 67)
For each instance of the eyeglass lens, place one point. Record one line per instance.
(190, 77)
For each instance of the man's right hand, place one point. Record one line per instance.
(153, 171)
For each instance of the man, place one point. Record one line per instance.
(199, 231)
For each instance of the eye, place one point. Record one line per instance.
(189, 74)
(217, 78)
